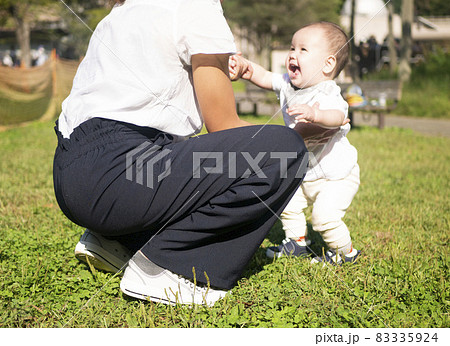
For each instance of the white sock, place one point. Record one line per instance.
(345, 250)
(302, 241)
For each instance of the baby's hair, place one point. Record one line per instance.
(338, 43)
(113, 2)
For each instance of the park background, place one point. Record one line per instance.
(399, 218)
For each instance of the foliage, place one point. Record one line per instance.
(426, 94)
(80, 22)
(8, 4)
(425, 7)
(399, 218)
(81, 18)
(23, 13)
(436, 64)
(432, 7)
(269, 22)
(279, 19)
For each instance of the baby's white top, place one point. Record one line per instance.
(334, 158)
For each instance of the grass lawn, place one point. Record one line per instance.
(425, 98)
(399, 219)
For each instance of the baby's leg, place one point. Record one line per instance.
(329, 208)
(293, 218)
(294, 226)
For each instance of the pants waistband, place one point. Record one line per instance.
(103, 130)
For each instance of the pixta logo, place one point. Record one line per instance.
(141, 163)
(139, 158)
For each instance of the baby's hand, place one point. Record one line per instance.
(239, 67)
(304, 113)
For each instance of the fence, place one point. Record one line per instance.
(35, 93)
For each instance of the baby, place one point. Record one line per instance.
(312, 105)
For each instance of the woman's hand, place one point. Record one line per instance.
(239, 67)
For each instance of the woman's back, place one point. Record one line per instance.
(137, 66)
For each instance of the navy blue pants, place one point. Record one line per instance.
(205, 203)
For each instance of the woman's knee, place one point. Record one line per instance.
(286, 139)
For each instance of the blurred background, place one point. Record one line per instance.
(43, 41)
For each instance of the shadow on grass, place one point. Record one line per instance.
(275, 237)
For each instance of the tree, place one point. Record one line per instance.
(353, 63)
(432, 7)
(81, 18)
(391, 40)
(407, 10)
(23, 13)
(404, 69)
(265, 23)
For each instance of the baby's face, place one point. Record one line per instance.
(307, 56)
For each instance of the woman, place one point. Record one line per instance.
(191, 211)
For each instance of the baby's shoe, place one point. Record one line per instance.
(332, 257)
(288, 247)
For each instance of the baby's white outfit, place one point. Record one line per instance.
(332, 179)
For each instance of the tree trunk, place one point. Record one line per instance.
(391, 40)
(404, 69)
(264, 50)
(354, 68)
(23, 39)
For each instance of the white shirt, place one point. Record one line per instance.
(335, 158)
(137, 66)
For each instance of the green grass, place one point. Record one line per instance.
(426, 93)
(399, 218)
(426, 97)
(238, 86)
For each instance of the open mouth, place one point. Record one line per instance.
(294, 69)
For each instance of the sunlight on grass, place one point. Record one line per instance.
(399, 219)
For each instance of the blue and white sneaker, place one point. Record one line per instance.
(288, 247)
(335, 259)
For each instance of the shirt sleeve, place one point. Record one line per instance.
(279, 82)
(202, 29)
(333, 99)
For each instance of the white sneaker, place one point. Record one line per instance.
(144, 279)
(332, 257)
(103, 254)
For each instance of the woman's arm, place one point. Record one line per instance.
(214, 92)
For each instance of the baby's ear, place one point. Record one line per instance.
(330, 64)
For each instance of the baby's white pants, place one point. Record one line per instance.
(330, 200)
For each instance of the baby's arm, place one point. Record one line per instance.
(328, 118)
(239, 67)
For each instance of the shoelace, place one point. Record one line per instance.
(193, 286)
(285, 241)
(333, 256)
(288, 244)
